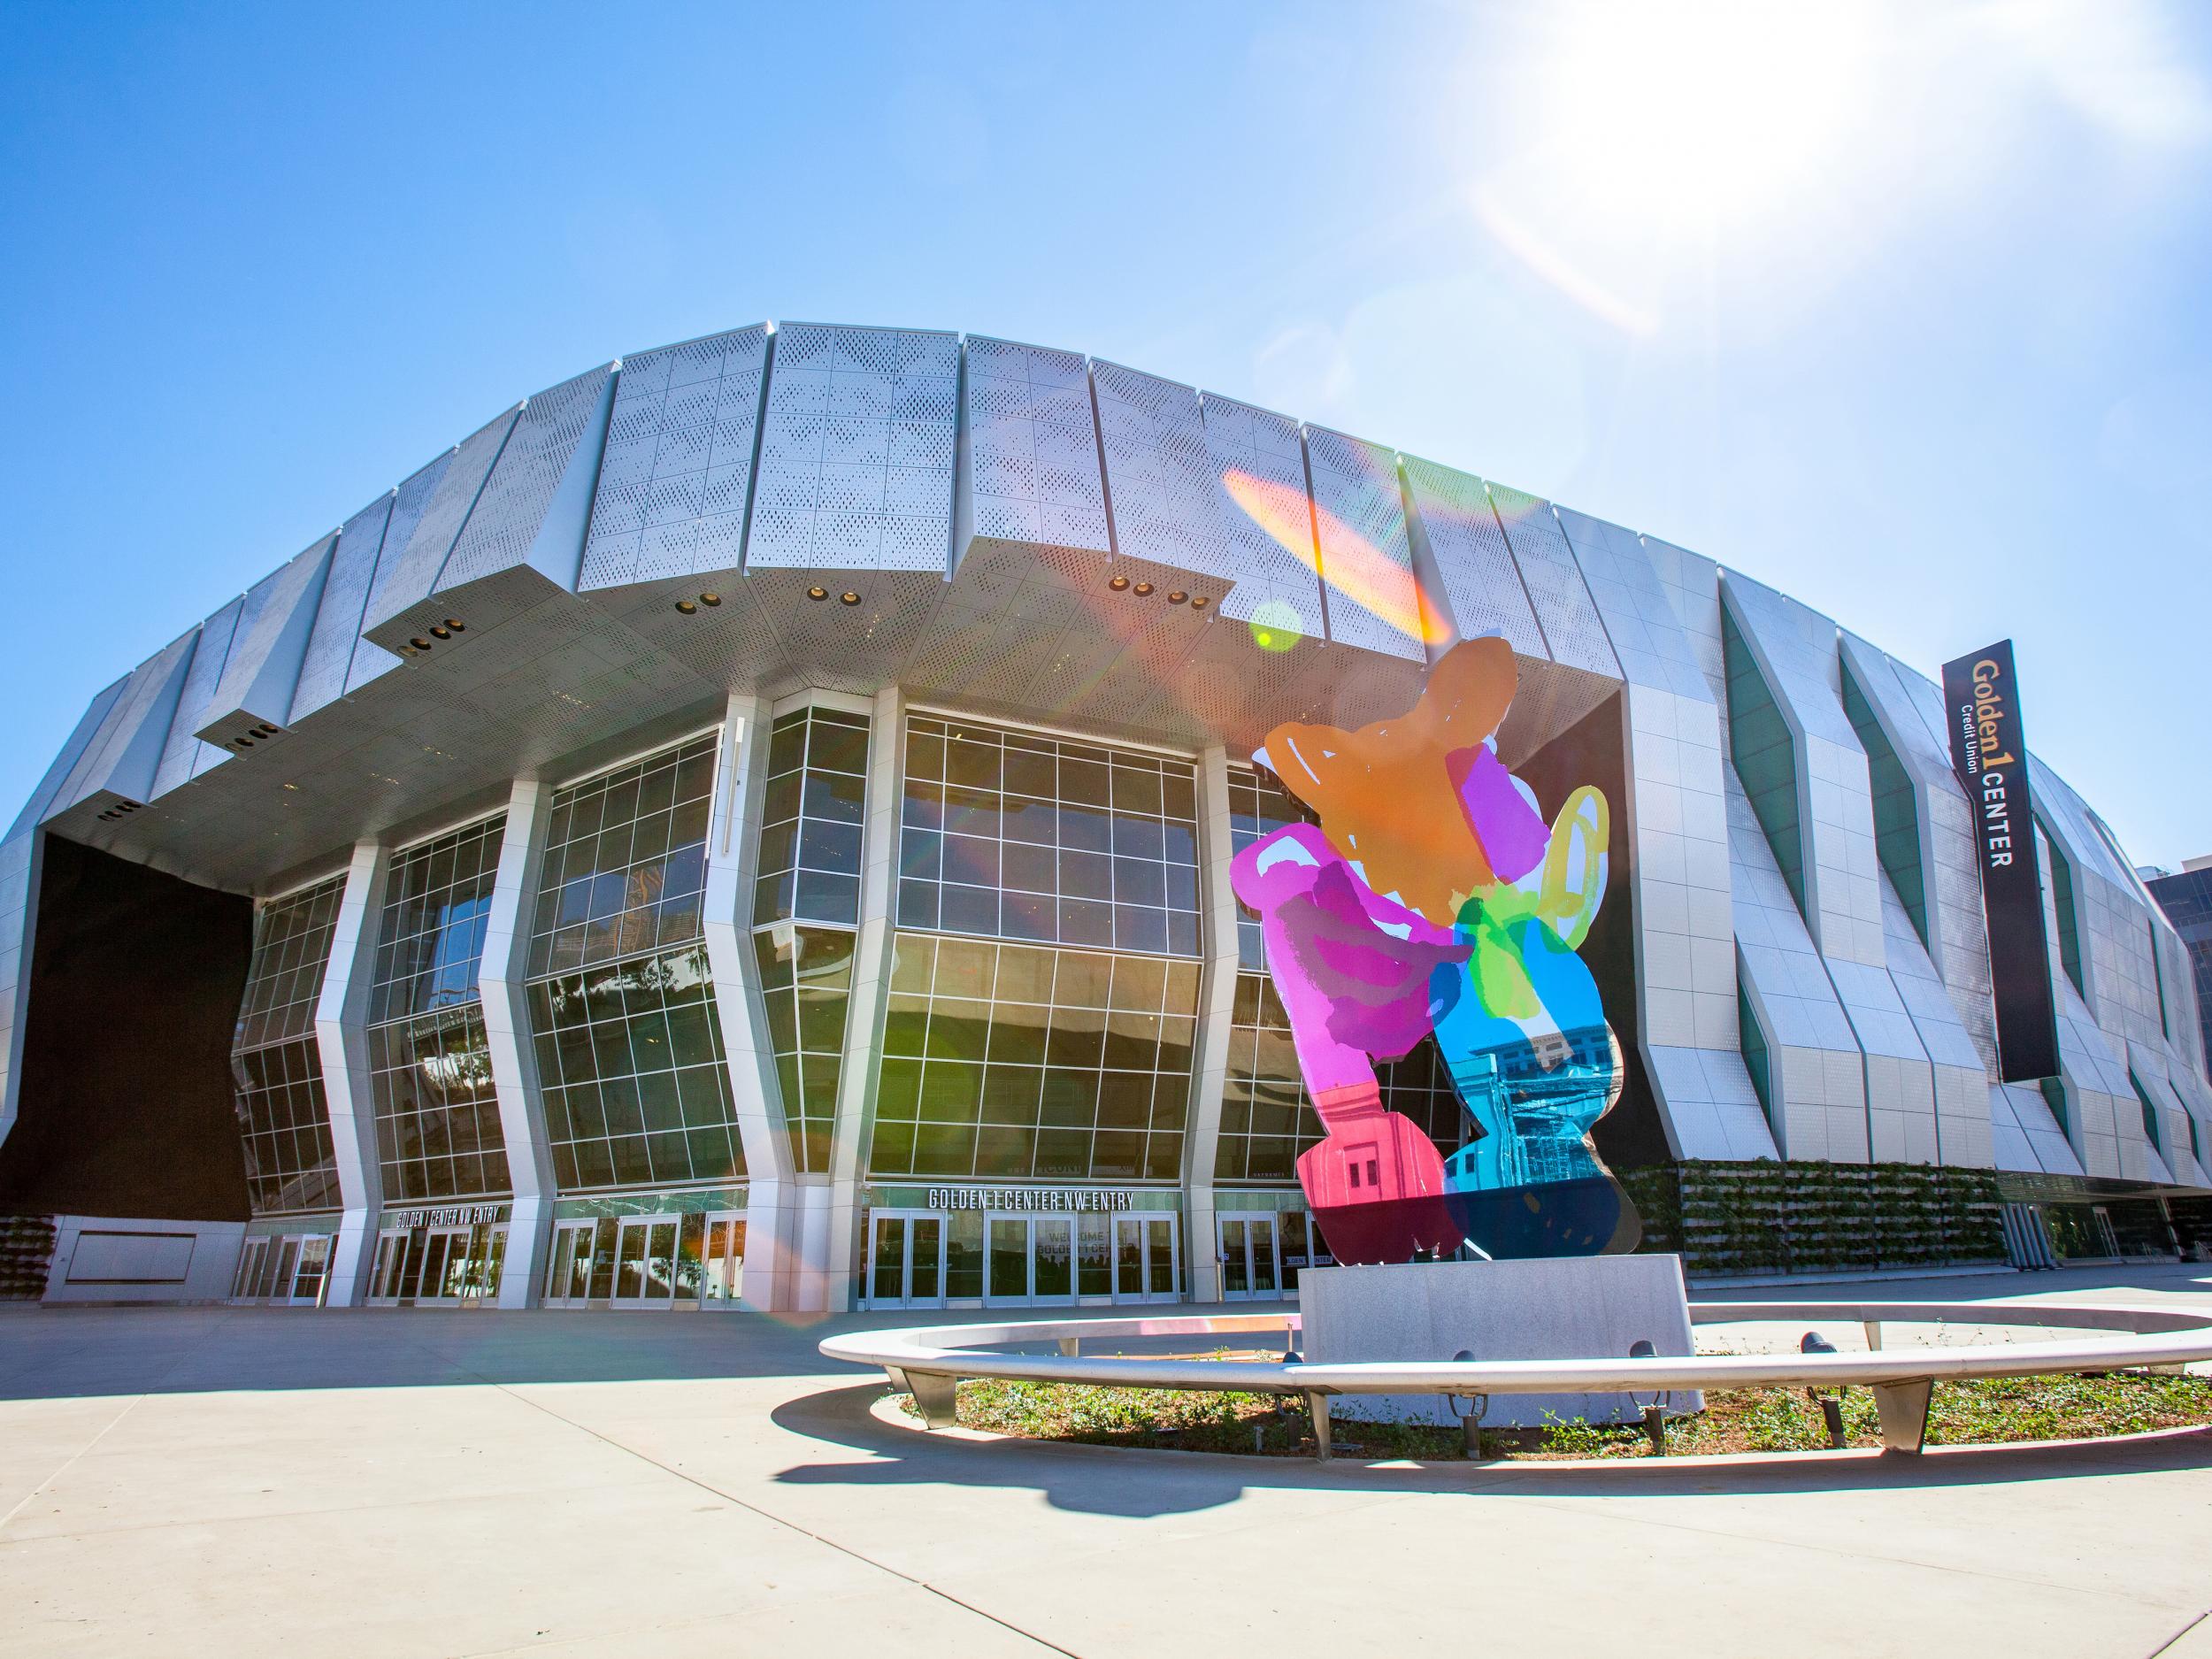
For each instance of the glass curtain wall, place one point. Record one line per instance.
(806, 904)
(1267, 1120)
(1045, 981)
(631, 1064)
(437, 1116)
(276, 1065)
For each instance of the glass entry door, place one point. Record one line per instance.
(906, 1260)
(568, 1264)
(445, 1265)
(645, 1263)
(1248, 1258)
(1145, 1268)
(1029, 1259)
(722, 1272)
(388, 1279)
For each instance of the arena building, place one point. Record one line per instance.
(750, 825)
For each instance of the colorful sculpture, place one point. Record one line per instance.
(1432, 897)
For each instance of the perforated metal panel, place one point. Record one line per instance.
(1366, 560)
(678, 470)
(121, 758)
(338, 613)
(57, 775)
(184, 756)
(408, 571)
(1160, 482)
(857, 455)
(1481, 586)
(1555, 589)
(1032, 464)
(410, 503)
(498, 534)
(262, 671)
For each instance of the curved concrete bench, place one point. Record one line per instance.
(928, 1361)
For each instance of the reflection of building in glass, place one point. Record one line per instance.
(2185, 895)
(753, 823)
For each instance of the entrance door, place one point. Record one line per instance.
(1145, 1268)
(906, 1259)
(308, 1279)
(722, 1272)
(1006, 1260)
(249, 1261)
(387, 1280)
(445, 1265)
(1248, 1258)
(568, 1267)
(645, 1263)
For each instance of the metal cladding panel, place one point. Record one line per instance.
(1279, 588)
(1454, 520)
(185, 757)
(678, 470)
(857, 454)
(64, 762)
(499, 532)
(1031, 469)
(408, 571)
(1161, 485)
(1366, 559)
(123, 756)
(263, 672)
(338, 614)
(1556, 587)
(409, 502)
(1640, 618)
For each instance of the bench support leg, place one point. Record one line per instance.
(1319, 1404)
(936, 1395)
(1903, 1408)
(1070, 1345)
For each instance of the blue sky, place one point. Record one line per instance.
(1901, 308)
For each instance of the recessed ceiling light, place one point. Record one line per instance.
(1201, 602)
(1119, 584)
(456, 625)
(441, 633)
(849, 597)
(1143, 590)
(686, 608)
(818, 593)
(420, 645)
(1176, 596)
(710, 599)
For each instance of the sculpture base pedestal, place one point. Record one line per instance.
(1582, 1306)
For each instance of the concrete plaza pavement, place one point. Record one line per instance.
(246, 1481)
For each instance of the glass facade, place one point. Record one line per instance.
(282, 1120)
(630, 1057)
(1015, 835)
(809, 835)
(437, 1116)
(1013, 1062)
(810, 873)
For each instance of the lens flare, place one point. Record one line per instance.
(1357, 570)
(1277, 626)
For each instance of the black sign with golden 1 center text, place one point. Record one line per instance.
(1989, 751)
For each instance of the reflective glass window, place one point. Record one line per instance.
(631, 1065)
(283, 1122)
(1267, 1118)
(1009, 1061)
(1015, 835)
(806, 977)
(437, 1116)
(811, 821)
(624, 866)
(1258, 806)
